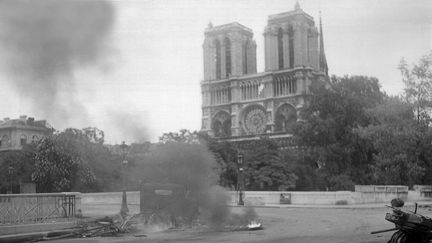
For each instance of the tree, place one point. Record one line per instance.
(418, 93)
(22, 164)
(76, 160)
(94, 135)
(226, 157)
(266, 168)
(56, 167)
(418, 86)
(327, 132)
(183, 136)
(394, 136)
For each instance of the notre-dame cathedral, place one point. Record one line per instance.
(240, 104)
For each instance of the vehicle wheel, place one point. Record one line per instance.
(398, 237)
(401, 237)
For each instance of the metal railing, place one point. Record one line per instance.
(37, 207)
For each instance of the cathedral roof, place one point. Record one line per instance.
(297, 11)
(234, 26)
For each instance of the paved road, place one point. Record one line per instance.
(293, 225)
(299, 225)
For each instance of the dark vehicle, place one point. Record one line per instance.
(410, 227)
(165, 203)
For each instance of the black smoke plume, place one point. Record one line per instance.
(45, 41)
(193, 167)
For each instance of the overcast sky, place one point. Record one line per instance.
(150, 80)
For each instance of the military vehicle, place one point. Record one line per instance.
(410, 227)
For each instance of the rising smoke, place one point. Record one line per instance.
(45, 41)
(132, 126)
(193, 167)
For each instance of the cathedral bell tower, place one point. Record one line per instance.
(229, 51)
(291, 40)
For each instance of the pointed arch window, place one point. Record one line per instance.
(218, 59)
(227, 43)
(280, 48)
(245, 49)
(291, 46)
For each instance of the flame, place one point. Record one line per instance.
(254, 224)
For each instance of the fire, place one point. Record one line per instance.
(254, 225)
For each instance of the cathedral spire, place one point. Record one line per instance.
(322, 57)
(297, 6)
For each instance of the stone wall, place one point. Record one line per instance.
(91, 202)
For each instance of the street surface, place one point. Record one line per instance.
(293, 225)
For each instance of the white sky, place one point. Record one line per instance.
(156, 66)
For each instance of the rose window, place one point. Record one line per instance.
(255, 121)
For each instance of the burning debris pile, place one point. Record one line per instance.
(247, 220)
(183, 191)
(107, 226)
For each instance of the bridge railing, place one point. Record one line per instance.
(37, 207)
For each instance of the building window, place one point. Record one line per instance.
(221, 124)
(245, 48)
(5, 141)
(284, 85)
(280, 48)
(291, 46)
(218, 59)
(227, 57)
(23, 140)
(220, 95)
(309, 40)
(35, 138)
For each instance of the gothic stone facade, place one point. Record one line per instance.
(240, 103)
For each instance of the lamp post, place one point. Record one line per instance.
(10, 173)
(240, 182)
(124, 151)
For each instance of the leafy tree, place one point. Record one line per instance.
(327, 133)
(22, 164)
(55, 167)
(418, 86)
(394, 136)
(418, 93)
(226, 157)
(266, 168)
(183, 136)
(94, 135)
(76, 160)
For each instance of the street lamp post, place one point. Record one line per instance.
(240, 182)
(10, 172)
(124, 208)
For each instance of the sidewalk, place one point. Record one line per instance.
(408, 205)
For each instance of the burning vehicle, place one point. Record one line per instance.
(167, 204)
(410, 227)
(170, 205)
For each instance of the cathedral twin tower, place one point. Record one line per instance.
(239, 103)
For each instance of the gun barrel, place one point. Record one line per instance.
(382, 231)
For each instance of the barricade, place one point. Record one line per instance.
(37, 207)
